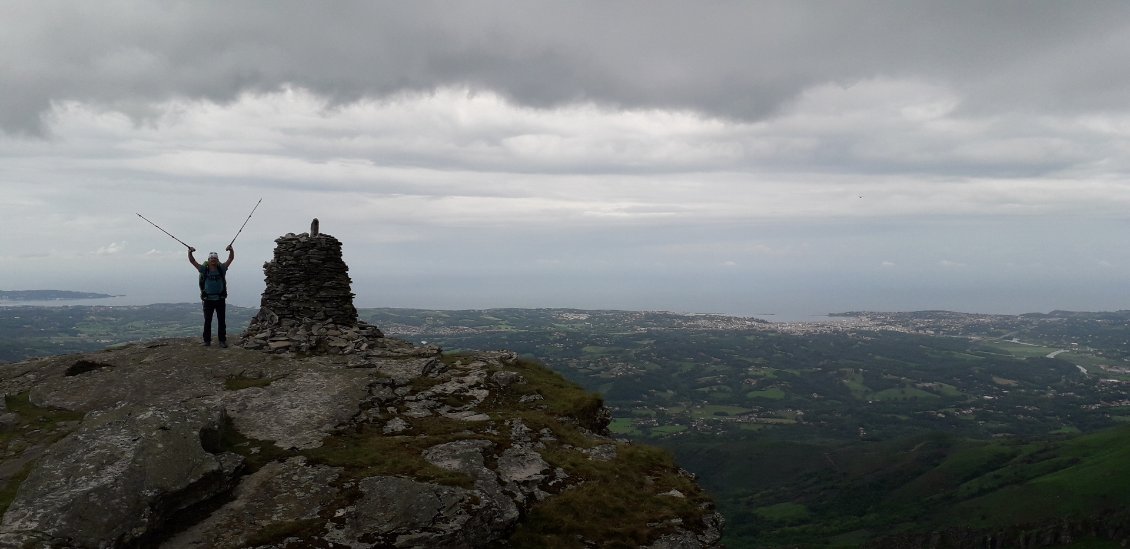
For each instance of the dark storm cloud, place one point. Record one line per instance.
(732, 59)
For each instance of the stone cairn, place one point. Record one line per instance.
(307, 305)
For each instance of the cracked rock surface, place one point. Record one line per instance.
(168, 444)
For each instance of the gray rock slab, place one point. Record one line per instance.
(688, 539)
(407, 513)
(276, 495)
(163, 372)
(403, 371)
(395, 425)
(119, 477)
(466, 456)
(472, 384)
(603, 452)
(521, 465)
(299, 411)
(467, 415)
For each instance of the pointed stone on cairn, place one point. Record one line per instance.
(307, 305)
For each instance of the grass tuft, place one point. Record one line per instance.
(37, 425)
(8, 492)
(370, 453)
(611, 505)
(278, 531)
(241, 380)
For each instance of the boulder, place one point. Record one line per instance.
(120, 477)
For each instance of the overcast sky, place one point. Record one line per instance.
(739, 157)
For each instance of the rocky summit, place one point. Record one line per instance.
(374, 443)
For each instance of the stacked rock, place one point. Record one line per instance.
(308, 305)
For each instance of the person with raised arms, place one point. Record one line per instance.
(214, 292)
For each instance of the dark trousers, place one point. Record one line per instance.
(218, 307)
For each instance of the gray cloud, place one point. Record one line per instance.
(731, 59)
(726, 156)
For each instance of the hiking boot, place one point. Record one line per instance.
(223, 344)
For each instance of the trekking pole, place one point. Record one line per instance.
(244, 222)
(164, 231)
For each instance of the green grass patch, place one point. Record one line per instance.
(784, 512)
(37, 417)
(854, 383)
(278, 531)
(598, 350)
(772, 393)
(1020, 350)
(902, 393)
(243, 380)
(371, 453)
(624, 426)
(37, 424)
(714, 389)
(665, 430)
(1004, 381)
(947, 390)
(1086, 360)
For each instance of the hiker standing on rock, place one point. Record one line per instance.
(213, 292)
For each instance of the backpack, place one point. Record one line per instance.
(223, 280)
